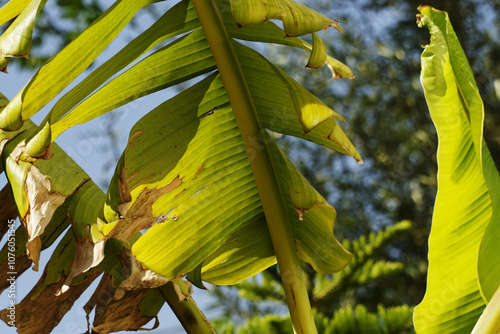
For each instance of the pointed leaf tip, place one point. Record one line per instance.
(339, 70)
(195, 277)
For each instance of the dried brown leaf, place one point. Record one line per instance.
(140, 214)
(43, 313)
(87, 255)
(42, 205)
(9, 210)
(113, 315)
(137, 276)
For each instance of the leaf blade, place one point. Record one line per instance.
(55, 75)
(185, 58)
(462, 211)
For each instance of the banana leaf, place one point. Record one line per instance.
(463, 273)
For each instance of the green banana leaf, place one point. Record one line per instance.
(179, 19)
(170, 65)
(162, 69)
(16, 40)
(186, 178)
(463, 273)
(64, 67)
(39, 187)
(12, 9)
(297, 19)
(269, 32)
(191, 192)
(79, 257)
(255, 11)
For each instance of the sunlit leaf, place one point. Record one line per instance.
(246, 12)
(318, 54)
(16, 40)
(286, 107)
(300, 20)
(39, 187)
(246, 250)
(166, 67)
(179, 19)
(269, 32)
(297, 19)
(12, 9)
(63, 68)
(463, 208)
(185, 193)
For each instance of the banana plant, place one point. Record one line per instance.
(201, 193)
(463, 281)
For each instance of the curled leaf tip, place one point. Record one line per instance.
(422, 20)
(39, 145)
(250, 12)
(338, 69)
(318, 55)
(10, 116)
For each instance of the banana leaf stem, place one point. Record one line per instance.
(489, 321)
(292, 275)
(190, 316)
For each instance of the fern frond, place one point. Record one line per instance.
(362, 268)
(347, 320)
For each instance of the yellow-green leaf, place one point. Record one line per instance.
(318, 54)
(16, 40)
(39, 145)
(247, 12)
(463, 209)
(12, 9)
(301, 20)
(70, 62)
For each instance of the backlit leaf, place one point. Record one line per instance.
(463, 208)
